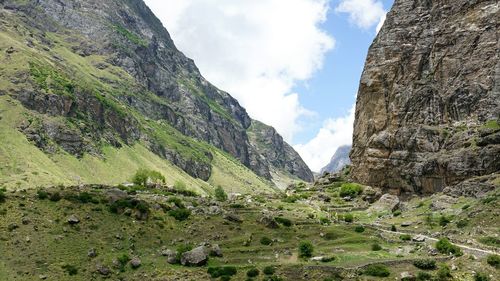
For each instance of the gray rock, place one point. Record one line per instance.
(216, 251)
(73, 219)
(171, 256)
(268, 222)
(103, 270)
(442, 202)
(419, 238)
(135, 262)
(196, 257)
(233, 218)
(92, 253)
(406, 224)
(387, 202)
(115, 194)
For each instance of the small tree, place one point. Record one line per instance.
(306, 249)
(141, 177)
(220, 194)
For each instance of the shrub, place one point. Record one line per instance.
(348, 218)
(180, 214)
(179, 185)
(493, 260)
(216, 272)
(462, 223)
(423, 276)
(331, 236)
(283, 221)
(142, 176)
(465, 207)
(269, 270)
(272, 278)
(70, 269)
(42, 194)
(306, 249)
(444, 220)
(350, 189)
(237, 206)
(359, 229)
(85, 197)
(396, 213)
(181, 249)
(328, 259)
(324, 220)
(220, 194)
(177, 202)
(491, 241)
(377, 270)
(123, 260)
(393, 228)
(481, 277)
(444, 246)
(405, 237)
(376, 247)
(444, 273)
(426, 264)
(253, 272)
(2, 194)
(55, 197)
(266, 241)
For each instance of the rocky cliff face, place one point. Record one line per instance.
(276, 153)
(428, 105)
(339, 160)
(111, 70)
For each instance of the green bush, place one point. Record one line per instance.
(237, 206)
(465, 207)
(393, 228)
(181, 249)
(396, 213)
(142, 176)
(42, 194)
(283, 221)
(377, 270)
(348, 218)
(220, 194)
(180, 214)
(179, 185)
(426, 264)
(306, 249)
(331, 236)
(350, 189)
(444, 273)
(177, 202)
(444, 220)
(481, 277)
(376, 247)
(444, 246)
(123, 260)
(253, 272)
(269, 270)
(55, 197)
(359, 229)
(462, 223)
(324, 220)
(220, 271)
(272, 278)
(70, 269)
(2, 194)
(491, 241)
(493, 260)
(328, 259)
(423, 276)
(266, 241)
(405, 237)
(85, 197)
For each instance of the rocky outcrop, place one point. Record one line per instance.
(139, 87)
(339, 160)
(428, 105)
(275, 152)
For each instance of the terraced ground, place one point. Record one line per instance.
(37, 240)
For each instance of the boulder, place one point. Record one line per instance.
(268, 222)
(419, 238)
(196, 257)
(135, 262)
(115, 194)
(171, 256)
(216, 251)
(73, 219)
(103, 270)
(92, 253)
(233, 218)
(442, 202)
(387, 202)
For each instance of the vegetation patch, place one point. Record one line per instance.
(426, 264)
(377, 270)
(306, 249)
(350, 189)
(444, 246)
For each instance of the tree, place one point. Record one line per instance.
(306, 249)
(220, 194)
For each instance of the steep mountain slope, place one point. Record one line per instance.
(428, 106)
(339, 160)
(93, 75)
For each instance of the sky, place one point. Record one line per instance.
(293, 64)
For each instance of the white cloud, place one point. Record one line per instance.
(254, 49)
(334, 133)
(363, 13)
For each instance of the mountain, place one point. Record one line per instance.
(92, 90)
(339, 160)
(428, 106)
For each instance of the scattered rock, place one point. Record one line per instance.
(115, 194)
(406, 276)
(268, 222)
(103, 270)
(387, 202)
(92, 253)
(406, 224)
(73, 219)
(196, 257)
(317, 258)
(419, 238)
(135, 262)
(216, 251)
(442, 202)
(43, 277)
(12, 226)
(233, 218)
(10, 50)
(171, 256)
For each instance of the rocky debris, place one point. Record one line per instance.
(42, 276)
(92, 253)
(216, 251)
(10, 50)
(419, 238)
(339, 160)
(268, 222)
(371, 194)
(406, 224)
(406, 276)
(427, 91)
(103, 270)
(115, 194)
(171, 256)
(73, 219)
(233, 218)
(196, 257)
(135, 262)
(12, 227)
(317, 259)
(476, 187)
(214, 210)
(442, 202)
(387, 202)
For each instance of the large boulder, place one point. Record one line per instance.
(387, 202)
(196, 257)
